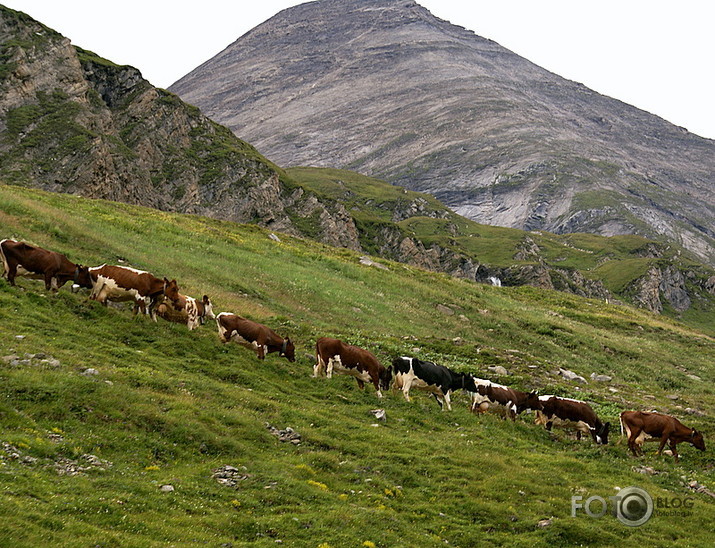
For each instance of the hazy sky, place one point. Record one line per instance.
(656, 55)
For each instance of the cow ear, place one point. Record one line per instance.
(166, 281)
(694, 432)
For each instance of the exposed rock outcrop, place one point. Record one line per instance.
(73, 122)
(661, 285)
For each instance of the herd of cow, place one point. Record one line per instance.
(155, 296)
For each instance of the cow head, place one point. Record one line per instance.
(468, 383)
(463, 381)
(208, 308)
(696, 438)
(602, 434)
(82, 277)
(288, 349)
(171, 291)
(385, 378)
(532, 401)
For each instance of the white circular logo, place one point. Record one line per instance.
(634, 506)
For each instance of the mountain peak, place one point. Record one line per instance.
(384, 88)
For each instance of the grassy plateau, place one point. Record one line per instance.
(101, 412)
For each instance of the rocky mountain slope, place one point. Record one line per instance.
(385, 88)
(73, 122)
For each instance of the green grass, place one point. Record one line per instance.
(617, 262)
(168, 406)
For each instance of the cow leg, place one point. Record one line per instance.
(447, 401)
(11, 272)
(673, 445)
(153, 304)
(224, 335)
(319, 367)
(361, 384)
(549, 425)
(98, 293)
(663, 441)
(329, 369)
(50, 282)
(376, 384)
(438, 400)
(406, 389)
(632, 442)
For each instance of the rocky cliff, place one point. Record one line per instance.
(384, 88)
(73, 122)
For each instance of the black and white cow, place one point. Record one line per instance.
(428, 376)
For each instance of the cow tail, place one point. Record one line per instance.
(316, 367)
(5, 266)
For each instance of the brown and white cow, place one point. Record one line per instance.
(121, 283)
(346, 359)
(572, 414)
(22, 259)
(192, 313)
(489, 394)
(639, 426)
(253, 335)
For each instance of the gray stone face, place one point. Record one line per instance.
(115, 136)
(385, 88)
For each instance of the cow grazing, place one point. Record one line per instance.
(639, 426)
(21, 259)
(121, 283)
(253, 335)
(428, 376)
(334, 355)
(572, 414)
(192, 313)
(513, 402)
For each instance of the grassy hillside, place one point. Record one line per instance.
(617, 262)
(167, 407)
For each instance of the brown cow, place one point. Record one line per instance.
(21, 259)
(253, 335)
(570, 413)
(511, 400)
(334, 355)
(192, 313)
(639, 426)
(121, 283)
